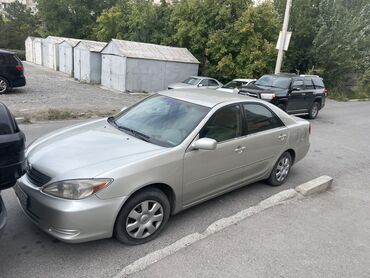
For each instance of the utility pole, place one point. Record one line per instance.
(281, 46)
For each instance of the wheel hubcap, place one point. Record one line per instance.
(315, 109)
(2, 86)
(144, 219)
(282, 169)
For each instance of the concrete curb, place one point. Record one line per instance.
(317, 185)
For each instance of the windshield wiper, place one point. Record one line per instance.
(137, 134)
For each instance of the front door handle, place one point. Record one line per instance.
(282, 137)
(240, 149)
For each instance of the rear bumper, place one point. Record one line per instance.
(18, 82)
(72, 221)
(2, 216)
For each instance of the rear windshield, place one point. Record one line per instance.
(9, 59)
(317, 81)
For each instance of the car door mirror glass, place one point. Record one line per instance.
(205, 144)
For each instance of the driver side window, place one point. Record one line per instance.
(204, 82)
(224, 125)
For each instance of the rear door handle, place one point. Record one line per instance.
(240, 149)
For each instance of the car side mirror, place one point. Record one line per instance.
(200, 85)
(205, 144)
(236, 91)
(123, 108)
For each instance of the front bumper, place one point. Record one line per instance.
(71, 221)
(2, 216)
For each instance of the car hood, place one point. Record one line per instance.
(261, 89)
(87, 150)
(180, 86)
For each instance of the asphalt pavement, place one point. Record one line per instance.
(339, 148)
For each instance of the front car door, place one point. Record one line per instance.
(296, 98)
(206, 173)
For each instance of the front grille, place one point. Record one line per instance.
(36, 177)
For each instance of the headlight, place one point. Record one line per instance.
(268, 96)
(76, 189)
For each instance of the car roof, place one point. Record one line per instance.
(2, 51)
(205, 97)
(201, 77)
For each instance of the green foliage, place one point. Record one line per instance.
(16, 25)
(71, 18)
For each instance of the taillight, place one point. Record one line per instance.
(19, 67)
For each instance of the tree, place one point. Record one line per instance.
(71, 18)
(17, 23)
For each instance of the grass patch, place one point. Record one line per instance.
(348, 95)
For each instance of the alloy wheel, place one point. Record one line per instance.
(282, 169)
(3, 86)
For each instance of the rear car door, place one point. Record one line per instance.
(265, 141)
(309, 92)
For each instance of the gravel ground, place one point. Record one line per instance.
(48, 89)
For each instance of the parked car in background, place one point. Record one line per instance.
(12, 158)
(125, 175)
(197, 82)
(11, 71)
(235, 84)
(295, 94)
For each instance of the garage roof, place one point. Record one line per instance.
(93, 46)
(153, 51)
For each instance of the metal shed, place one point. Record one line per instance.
(52, 45)
(37, 51)
(29, 49)
(45, 52)
(87, 61)
(66, 55)
(135, 66)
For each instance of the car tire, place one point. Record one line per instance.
(4, 85)
(142, 217)
(314, 110)
(281, 170)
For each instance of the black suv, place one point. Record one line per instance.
(11, 71)
(295, 94)
(12, 157)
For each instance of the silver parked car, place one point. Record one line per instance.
(197, 82)
(234, 85)
(125, 175)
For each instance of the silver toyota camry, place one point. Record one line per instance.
(125, 175)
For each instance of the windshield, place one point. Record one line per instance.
(191, 81)
(234, 84)
(161, 120)
(274, 81)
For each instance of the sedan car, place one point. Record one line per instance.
(197, 82)
(125, 175)
(12, 157)
(235, 84)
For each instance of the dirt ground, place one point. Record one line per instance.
(51, 95)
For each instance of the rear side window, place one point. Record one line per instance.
(308, 83)
(260, 118)
(317, 81)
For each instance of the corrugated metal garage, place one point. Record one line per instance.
(52, 45)
(29, 49)
(134, 66)
(87, 61)
(37, 51)
(66, 55)
(45, 52)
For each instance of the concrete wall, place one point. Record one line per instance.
(153, 75)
